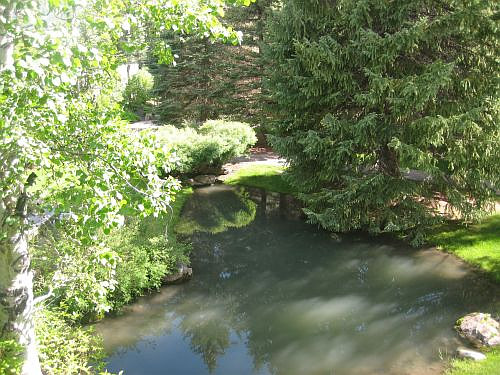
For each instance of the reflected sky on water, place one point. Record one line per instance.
(273, 295)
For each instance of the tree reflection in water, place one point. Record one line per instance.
(277, 296)
(216, 209)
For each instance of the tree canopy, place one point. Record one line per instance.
(385, 108)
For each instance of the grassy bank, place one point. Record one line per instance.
(263, 176)
(478, 245)
(489, 366)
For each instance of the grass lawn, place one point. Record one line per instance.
(264, 176)
(478, 245)
(490, 366)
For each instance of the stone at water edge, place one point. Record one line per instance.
(203, 180)
(184, 273)
(470, 354)
(480, 329)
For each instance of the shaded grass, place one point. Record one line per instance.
(269, 177)
(478, 244)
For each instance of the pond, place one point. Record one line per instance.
(271, 294)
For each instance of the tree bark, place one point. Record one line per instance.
(6, 40)
(16, 282)
(388, 162)
(16, 278)
(16, 295)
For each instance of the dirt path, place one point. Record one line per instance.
(256, 156)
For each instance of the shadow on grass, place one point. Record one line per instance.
(456, 235)
(477, 244)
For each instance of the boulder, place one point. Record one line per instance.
(183, 273)
(480, 329)
(203, 180)
(470, 354)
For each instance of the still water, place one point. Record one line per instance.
(273, 295)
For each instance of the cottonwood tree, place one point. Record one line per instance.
(56, 66)
(385, 107)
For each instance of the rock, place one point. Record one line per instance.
(470, 354)
(183, 273)
(203, 180)
(480, 329)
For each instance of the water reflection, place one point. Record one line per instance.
(216, 209)
(280, 297)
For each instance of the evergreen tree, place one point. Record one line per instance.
(386, 107)
(210, 80)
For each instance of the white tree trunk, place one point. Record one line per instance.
(16, 278)
(16, 295)
(6, 42)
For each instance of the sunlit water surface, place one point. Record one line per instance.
(273, 295)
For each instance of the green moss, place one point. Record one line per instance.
(489, 366)
(478, 244)
(269, 177)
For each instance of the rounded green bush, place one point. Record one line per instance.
(207, 148)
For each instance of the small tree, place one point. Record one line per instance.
(384, 107)
(138, 91)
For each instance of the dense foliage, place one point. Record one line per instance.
(66, 348)
(212, 80)
(89, 281)
(10, 357)
(204, 149)
(386, 107)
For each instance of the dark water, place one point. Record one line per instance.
(273, 295)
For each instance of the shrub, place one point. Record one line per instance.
(146, 256)
(207, 148)
(234, 137)
(10, 357)
(65, 348)
(90, 280)
(82, 276)
(138, 91)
